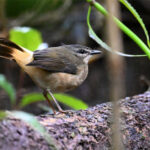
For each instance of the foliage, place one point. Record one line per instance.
(25, 37)
(63, 98)
(123, 27)
(9, 89)
(137, 17)
(94, 36)
(2, 115)
(31, 98)
(71, 101)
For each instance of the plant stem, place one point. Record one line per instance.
(123, 27)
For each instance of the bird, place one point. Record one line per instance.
(54, 69)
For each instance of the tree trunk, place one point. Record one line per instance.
(85, 129)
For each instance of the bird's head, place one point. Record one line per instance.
(82, 52)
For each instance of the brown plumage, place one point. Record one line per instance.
(55, 69)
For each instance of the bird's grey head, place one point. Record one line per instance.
(82, 51)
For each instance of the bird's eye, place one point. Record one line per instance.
(81, 51)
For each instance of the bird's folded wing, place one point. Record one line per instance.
(52, 61)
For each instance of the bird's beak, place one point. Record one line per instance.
(95, 52)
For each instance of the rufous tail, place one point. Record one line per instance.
(10, 50)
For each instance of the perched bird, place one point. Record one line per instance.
(54, 69)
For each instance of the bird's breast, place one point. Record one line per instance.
(59, 82)
(62, 82)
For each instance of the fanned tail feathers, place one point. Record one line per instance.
(7, 48)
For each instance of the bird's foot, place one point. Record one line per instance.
(63, 111)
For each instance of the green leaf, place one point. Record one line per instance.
(93, 35)
(63, 98)
(35, 124)
(9, 89)
(2, 115)
(31, 98)
(26, 37)
(137, 16)
(71, 101)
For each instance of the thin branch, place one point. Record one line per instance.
(116, 70)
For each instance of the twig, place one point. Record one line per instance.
(116, 70)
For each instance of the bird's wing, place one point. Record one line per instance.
(53, 60)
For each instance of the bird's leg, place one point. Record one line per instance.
(48, 100)
(58, 106)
